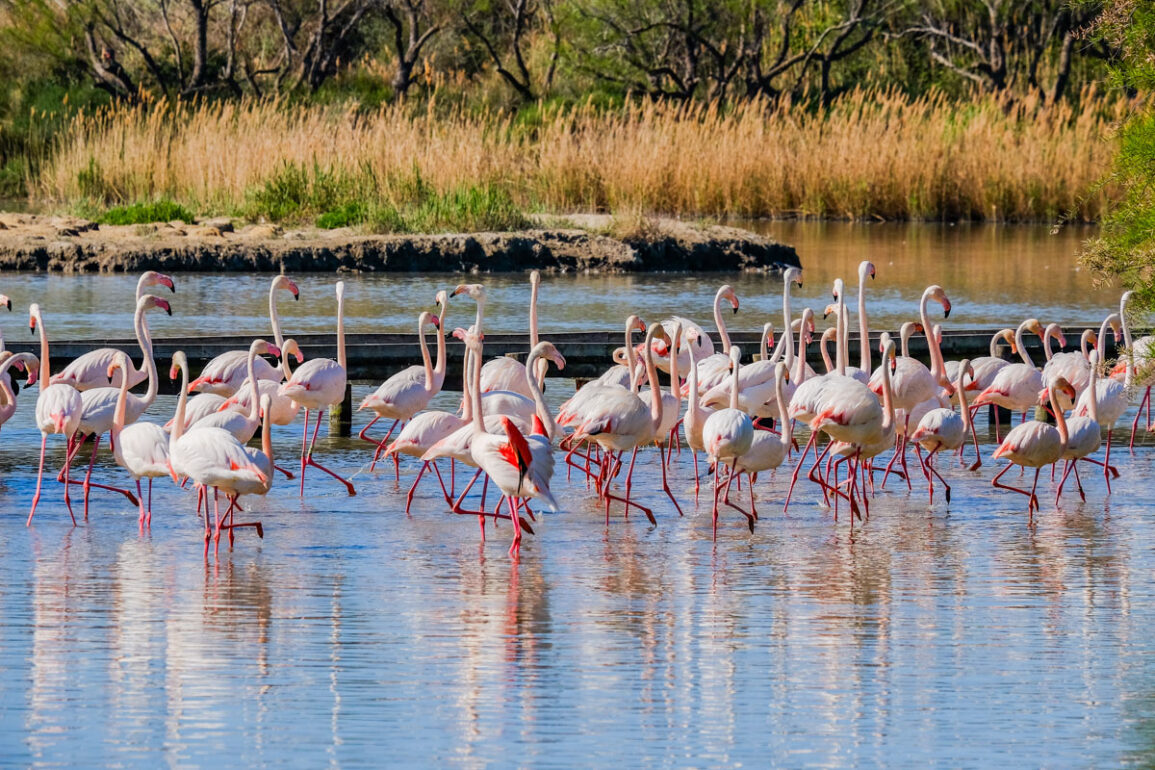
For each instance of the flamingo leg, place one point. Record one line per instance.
(304, 446)
(140, 497)
(797, 469)
(931, 467)
(726, 499)
(1032, 501)
(412, 489)
(665, 481)
(628, 488)
(89, 484)
(310, 461)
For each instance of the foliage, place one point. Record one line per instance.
(1125, 248)
(145, 212)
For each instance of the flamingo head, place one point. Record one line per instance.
(179, 361)
(153, 278)
(33, 315)
(1055, 332)
(693, 337)
(534, 277)
(6, 301)
(290, 348)
(1034, 327)
(792, 275)
(119, 361)
(286, 283)
(619, 356)
(33, 370)
(865, 268)
(475, 290)
(768, 330)
(1116, 327)
(828, 310)
(839, 288)
(1066, 388)
(442, 298)
(727, 293)
(151, 301)
(937, 293)
(549, 351)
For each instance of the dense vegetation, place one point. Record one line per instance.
(465, 113)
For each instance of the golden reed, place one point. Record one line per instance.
(872, 155)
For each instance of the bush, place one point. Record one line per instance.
(143, 213)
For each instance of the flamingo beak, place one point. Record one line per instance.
(166, 280)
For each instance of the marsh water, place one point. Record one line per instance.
(354, 635)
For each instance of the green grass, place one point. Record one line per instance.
(143, 213)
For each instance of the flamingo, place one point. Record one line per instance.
(505, 373)
(58, 410)
(99, 405)
(212, 458)
(985, 367)
(618, 421)
(768, 451)
(243, 426)
(91, 369)
(1085, 436)
(714, 368)
(507, 460)
(695, 419)
(316, 385)
(1110, 398)
(728, 434)
(944, 428)
(410, 390)
(572, 410)
(865, 268)
(1074, 366)
(1135, 368)
(671, 402)
(1016, 386)
(140, 448)
(1035, 444)
(223, 374)
(284, 409)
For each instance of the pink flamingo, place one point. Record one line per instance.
(224, 374)
(1134, 367)
(728, 434)
(1016, 386)
(140, 448)
(947, 429)
(1085, 436)
(1035, 444)
(316, 385)
(619, 421)
(410, 390)
(99, 406)
(505, 373)
(58, 410)
(768, 451)
(714, 368)
(1111, 399)
(24, 361)
(211, 457)
(284, 409)
(91, 369)
(243, 426)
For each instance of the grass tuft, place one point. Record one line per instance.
(143, 213)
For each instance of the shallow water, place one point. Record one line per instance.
(353, 635)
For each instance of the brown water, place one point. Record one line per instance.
(354, 635)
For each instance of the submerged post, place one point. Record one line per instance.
(341, 415)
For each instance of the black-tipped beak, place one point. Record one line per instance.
(9, 304)
(169, 311)
(946, 313)
(735, 311)
(172, 287)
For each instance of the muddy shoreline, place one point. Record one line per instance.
(31, 242)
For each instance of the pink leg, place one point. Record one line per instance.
(310, 461)
(666, 483)
(304, 448)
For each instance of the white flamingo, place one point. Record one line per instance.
(58, 409)
(1035, 444)
(140, 448)
(316, 385)
(91, 369)
(727, 435)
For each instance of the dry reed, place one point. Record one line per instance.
(871, 155)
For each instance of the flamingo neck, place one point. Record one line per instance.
(1084, 343)
(119, 415)
(675, 374)
(842, 348)
(887, 398)
(1022, 348)
(932, 342)
(341, 361)
(533, 340)
(962, 400)
(1093, 395)
(994, 351)
(1060, 420)
(254, 391)
(1048, 335)
(45, 371)
(267, 433)
(826, 352)
(425, 360)
(541, 408)
(442, 361)
(763, 344)
(734, 383)
(787, 425)
(6, 392)
(720, 322)
(631, 360)
(786, 326)
(140, 284)
(274, 318)
(652, 374)
(1101, 345)
(864, 355)
(693, 405)
(145, 340)
(181, 401)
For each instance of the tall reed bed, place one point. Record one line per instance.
(871, 155)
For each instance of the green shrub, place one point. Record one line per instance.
(143, 213)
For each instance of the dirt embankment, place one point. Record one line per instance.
(64, 244)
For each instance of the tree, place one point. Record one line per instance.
(1125, 248)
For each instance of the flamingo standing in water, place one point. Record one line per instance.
(58, 410)
(316, 385)
(224, 374)
(410, 390)
(1085, 436)
(619, 422)
(211, 457)
(91, 369)
(1135, 367)
(767, 450)
(1035, 444)
(1016, 386)
(243, 426)
(727, 435)
(1110, 398)
(140, 448)
(944, 428)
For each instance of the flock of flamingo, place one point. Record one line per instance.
(740, 415)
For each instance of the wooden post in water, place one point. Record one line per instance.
(341, 415)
